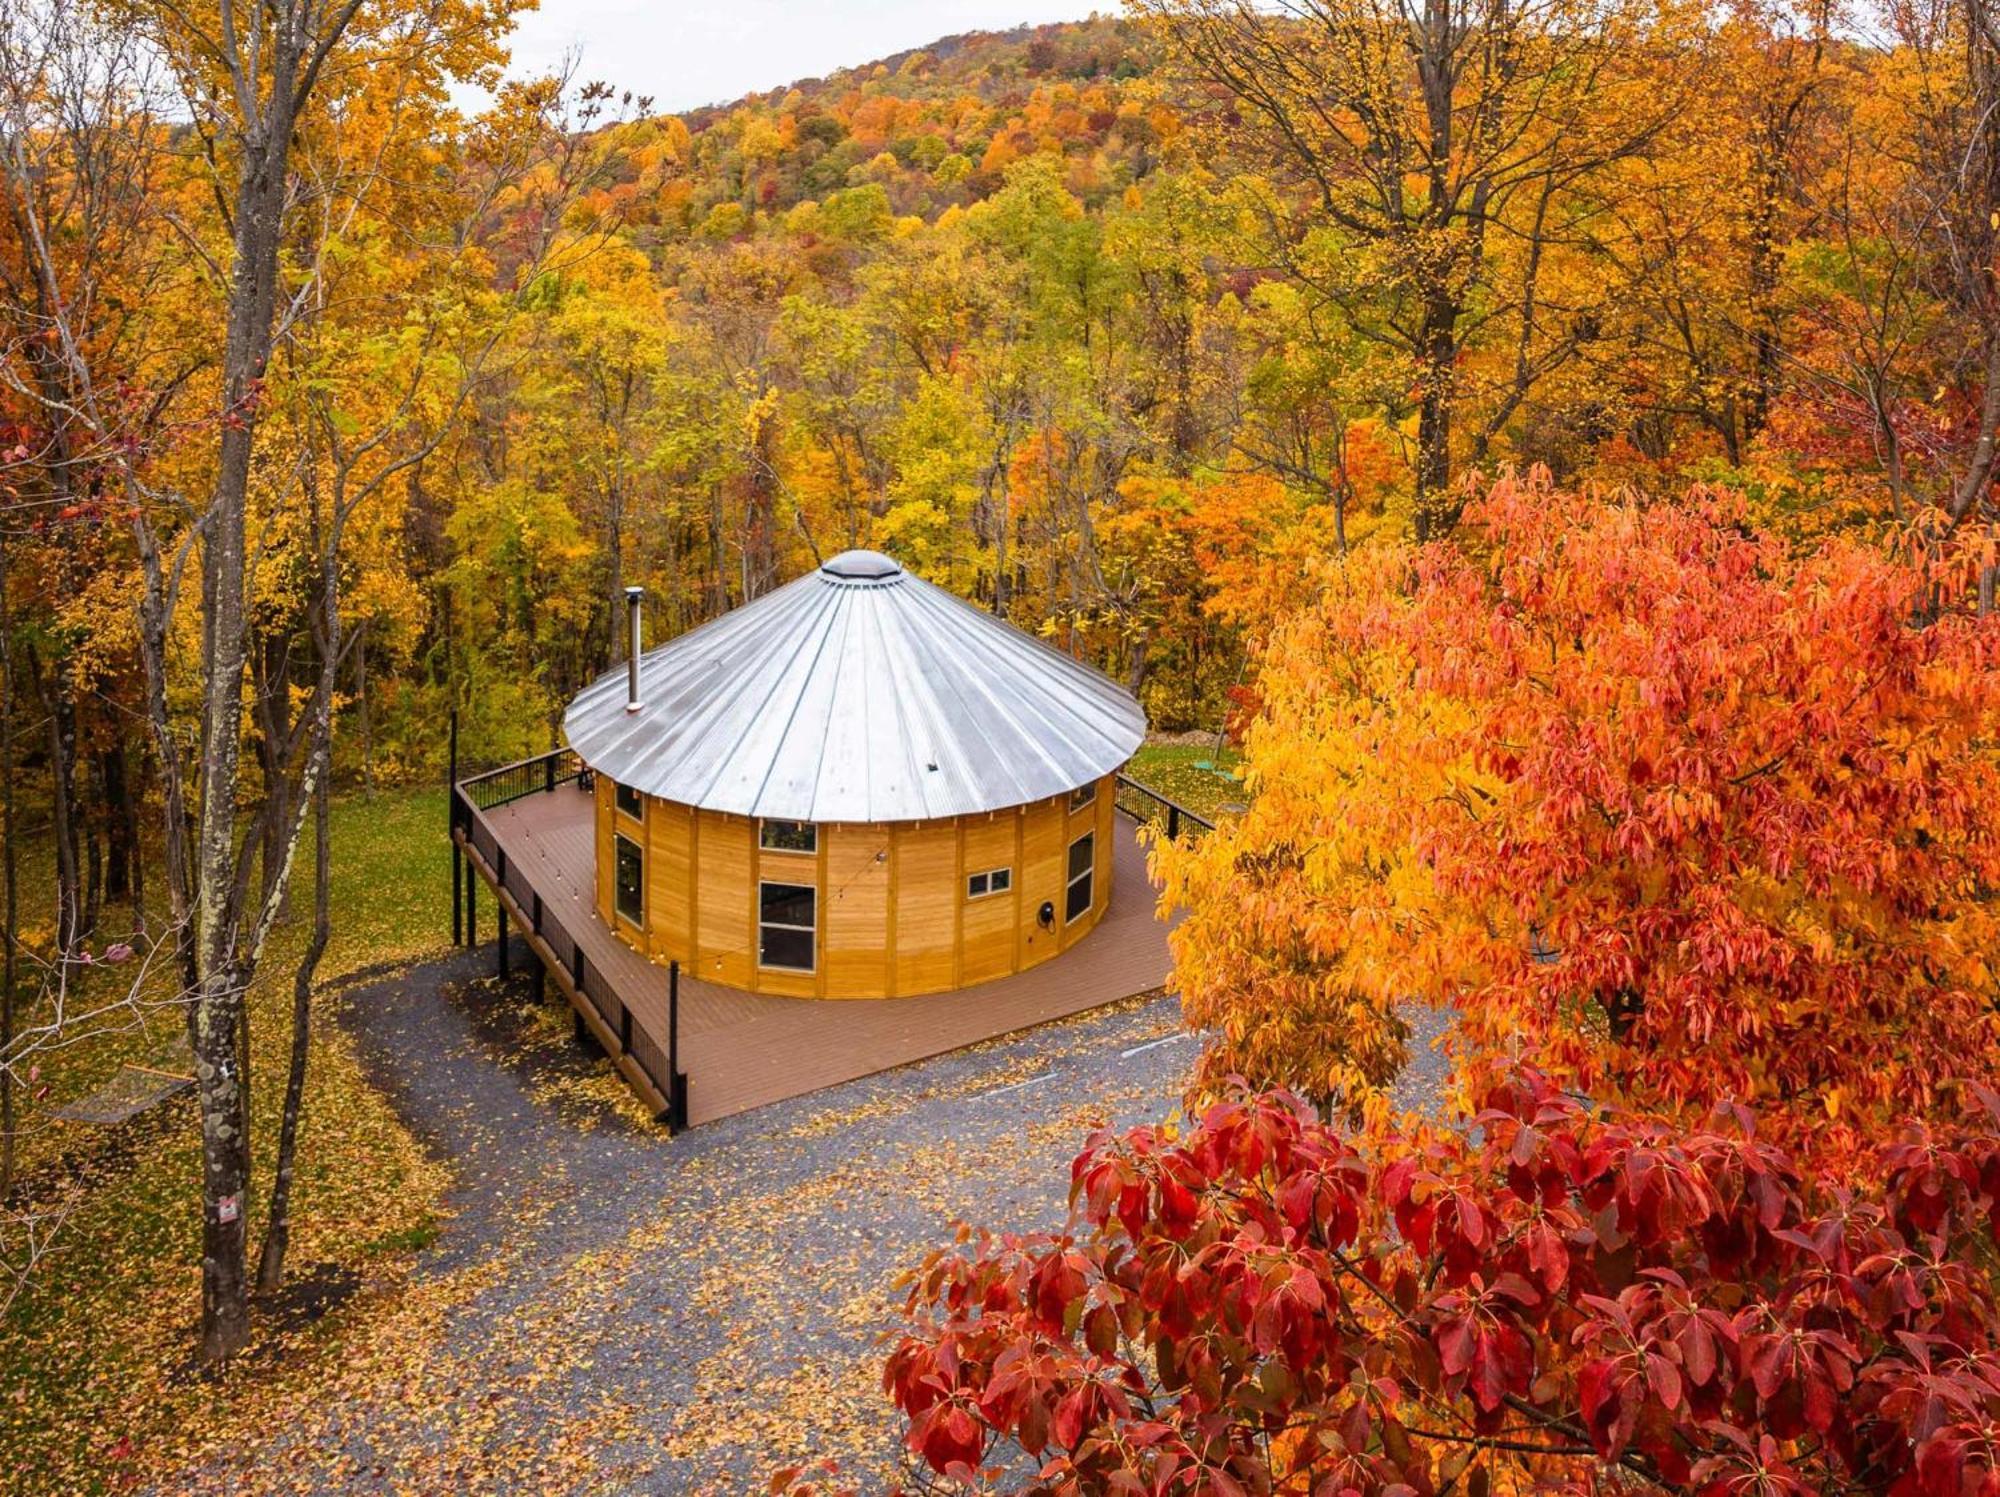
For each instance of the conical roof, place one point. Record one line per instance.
(856, 693)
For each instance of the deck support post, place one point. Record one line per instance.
(472, 912)
(451, 829)
(501, 905)
(676, 1078)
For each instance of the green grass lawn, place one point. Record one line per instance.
(95, 1384)
(1181, 772)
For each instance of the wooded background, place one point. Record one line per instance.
(329, 410)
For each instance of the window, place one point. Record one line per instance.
(1082, 796)
(1082, 864)
(630, 801)
(785, 926)
(788, 836)
(631, 895)
(994, 881)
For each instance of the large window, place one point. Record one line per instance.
(788, 836)
(1082, 868)
(785, 925)
(631, 896)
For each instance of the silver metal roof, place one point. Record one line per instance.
(856, 693)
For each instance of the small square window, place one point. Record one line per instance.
(788, 836)
(1082, 796)
(630, 802)
(992, 881)
(631, 886)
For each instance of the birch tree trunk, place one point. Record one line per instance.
(297, 39)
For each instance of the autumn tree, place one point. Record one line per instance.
(1565, 1300)
(1423, 163)
(1638, 794)
(1898, 345)
(249, 516)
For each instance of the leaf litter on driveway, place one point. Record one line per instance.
(608, 1310)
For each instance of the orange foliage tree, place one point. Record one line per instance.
(1675, 813)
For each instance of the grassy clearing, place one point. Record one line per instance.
(1181, 772)
(96, 1386)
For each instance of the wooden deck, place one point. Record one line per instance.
(742, 1050)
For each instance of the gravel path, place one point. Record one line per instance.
(610, 1310)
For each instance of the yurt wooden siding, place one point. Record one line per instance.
(915, 744)
(893, 911)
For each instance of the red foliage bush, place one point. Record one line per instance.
(1563, 1299)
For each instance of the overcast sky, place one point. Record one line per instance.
(690, 52)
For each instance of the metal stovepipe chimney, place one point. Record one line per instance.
(632, 597)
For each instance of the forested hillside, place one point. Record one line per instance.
(1557, 444)
(1041, 313)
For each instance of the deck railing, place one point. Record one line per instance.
(561, 951)
(1145, 804)
(559, 947)
(495, 787)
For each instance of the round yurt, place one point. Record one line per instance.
(857, 786)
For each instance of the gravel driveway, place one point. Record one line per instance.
(610, 1310)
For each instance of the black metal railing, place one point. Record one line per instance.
(543, 773)
(474, 794)
(1146, 805)
(496, 787)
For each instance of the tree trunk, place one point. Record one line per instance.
(615, 547)
(59, 702)
(1434, 511)
(272, 681)
(318, 784)
(1765, 352)
(1135, 678)
(278, 1232)
(93, 877)
(117, 841)
(366, 713)
(123, 878)
(1002, 526)
(718, 602)
(9, 882)
(760, 513)
(216, 1018)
